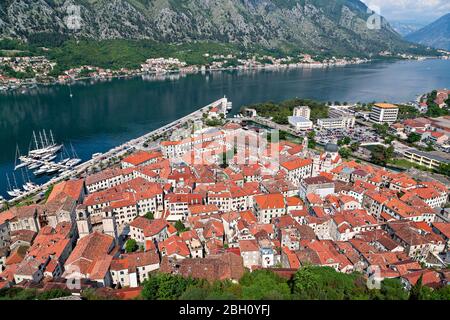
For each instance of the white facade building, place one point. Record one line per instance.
(300, 123)
(384, 113)
(302, 111)
(336, 123)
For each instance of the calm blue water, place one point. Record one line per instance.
(104, 114)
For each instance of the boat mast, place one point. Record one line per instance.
(74, 154)
(28, 176)
(51, 138)
(15, 181)
(42, 141)
(17, 156)
(9, 182)
(46, 140)
(23, 177)
(35, 140)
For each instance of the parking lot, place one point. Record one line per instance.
(358, 134)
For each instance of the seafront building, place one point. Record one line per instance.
(384, 113)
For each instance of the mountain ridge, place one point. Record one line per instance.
(436, 34)
(334, 26)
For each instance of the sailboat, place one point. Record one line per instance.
(24, 161)
(63, 154)
(41, 170)
(15, 184)
(28, 185)
(11, 191)
(53, 146)
(45, 147)
(39, 150)
(73, 162)
(35, 165)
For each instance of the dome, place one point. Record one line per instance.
(331, 147)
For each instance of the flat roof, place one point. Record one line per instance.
(386, 105)
(298, 119)
(434, 155)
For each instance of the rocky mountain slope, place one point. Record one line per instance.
(406, 28)
(337, 26)
(436, 34)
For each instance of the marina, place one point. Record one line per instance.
(71, 168)
(40, 161)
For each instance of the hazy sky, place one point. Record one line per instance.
(411, 10)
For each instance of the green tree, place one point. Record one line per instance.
(381, 129)
(444, 168)
(311, 282)
(131, 246)
(391, 289)
(311, 140)
(180, 226)
(355, 146)
(150, 215)
(381, 155)
(53, 293)
(419, 291)
(345, 153)
(414, 137)
(346, 140)
(163, 286)
(442, 293)
(263, 285)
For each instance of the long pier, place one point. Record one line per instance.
(121, 150)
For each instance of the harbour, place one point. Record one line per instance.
(71, 171)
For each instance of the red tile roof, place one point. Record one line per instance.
(296, 164)
(270, 201)
(71, 188)
(141, 157)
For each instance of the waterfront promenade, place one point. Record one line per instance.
(121, 150)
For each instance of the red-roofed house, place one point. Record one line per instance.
(297, 169)
(430, 278)
(347, 224)
(174, 247)
(143, 230)
(141, 158)
(269, 206)
(249, 252)
(130, 270)
(70, 188)
(443, 229)
(91, 259)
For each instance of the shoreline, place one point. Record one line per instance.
(33, 84)
(197, 70)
